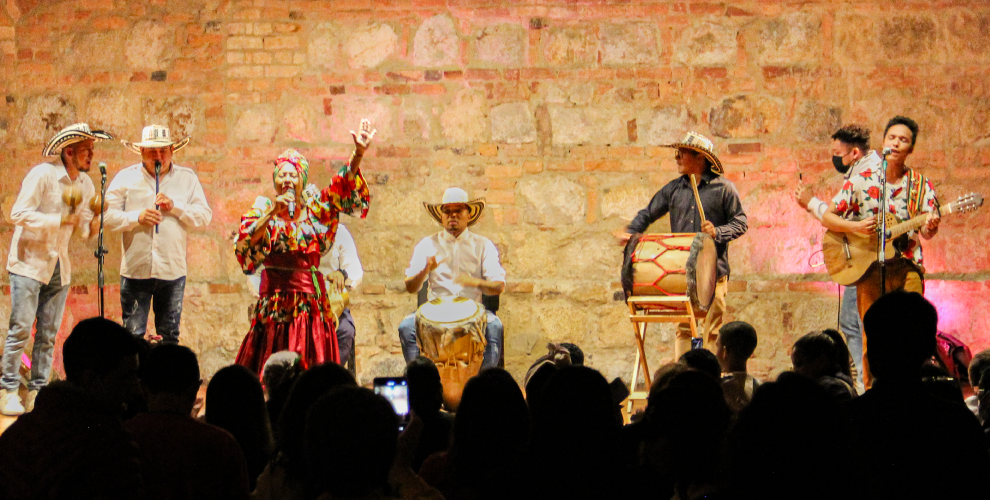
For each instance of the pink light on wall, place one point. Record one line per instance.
(963, 310)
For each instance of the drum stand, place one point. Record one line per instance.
(654, 309)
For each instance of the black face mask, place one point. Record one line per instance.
(839, 167)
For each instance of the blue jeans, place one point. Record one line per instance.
(345, 335)
(138, 296)
(852, 329)
(30, 300)
(493, 334)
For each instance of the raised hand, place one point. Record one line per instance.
(362, 138)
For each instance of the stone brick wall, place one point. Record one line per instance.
(553, 111)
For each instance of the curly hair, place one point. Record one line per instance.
(855, 135)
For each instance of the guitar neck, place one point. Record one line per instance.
(917, 222)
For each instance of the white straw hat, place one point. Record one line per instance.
(155, 136)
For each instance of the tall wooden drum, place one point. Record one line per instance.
(451, 332)
(672, 264)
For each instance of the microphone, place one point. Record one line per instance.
(886, 151)
(292, 204)
(103, 168)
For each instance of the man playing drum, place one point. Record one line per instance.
(458, 263)
(725, 220)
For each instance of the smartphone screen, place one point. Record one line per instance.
(396, 391)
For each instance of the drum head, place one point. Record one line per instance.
(702, 272)
(444, 310)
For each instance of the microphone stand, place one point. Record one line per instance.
(100, 249)
(882, 240)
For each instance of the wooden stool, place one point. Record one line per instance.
(653, 309)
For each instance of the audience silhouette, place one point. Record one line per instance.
(122, 426)
(73, 445)
(182, 458)
(908, 434)
(235, 402)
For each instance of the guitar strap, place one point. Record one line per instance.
(917, 189)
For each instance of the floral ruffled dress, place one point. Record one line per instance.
(293, 312)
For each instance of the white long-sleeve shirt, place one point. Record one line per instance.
(469, 253)
(342, 255)
(40, 240)
(872, 159)
(148, 254)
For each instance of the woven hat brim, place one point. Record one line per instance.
(475, 207)
(54, 146)
(716, 163)
(136, 146)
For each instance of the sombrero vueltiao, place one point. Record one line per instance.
(72, 134)
(155, 136)
(703, 145)
(457, 196)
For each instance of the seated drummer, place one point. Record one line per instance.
(457, 262)
(725, 221)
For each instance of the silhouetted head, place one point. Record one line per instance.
(577, 355)
(979, 367)
(576, 402)
(313, 384)
(101, 357)
(170, 376)
(675, 416)
(280, 367)
(278, 376)
(425, 387)
(350, 440)
(819, 354)
(235, 402)
(735, 344)
(789, 443)
(492, 424)
(702, 360)
(901, 327)
(170, 368)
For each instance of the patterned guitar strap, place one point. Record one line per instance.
(917, 189)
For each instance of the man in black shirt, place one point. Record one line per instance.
(725, 220)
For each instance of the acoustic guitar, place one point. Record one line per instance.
(848, 256)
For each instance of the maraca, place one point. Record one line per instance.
(72, 196)
(94, 203)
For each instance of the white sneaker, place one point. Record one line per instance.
(29, 402)
(10, 403)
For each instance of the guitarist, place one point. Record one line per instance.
(851, 155)
(855, 208)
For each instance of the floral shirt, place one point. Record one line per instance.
(860, 198)
(313, 233)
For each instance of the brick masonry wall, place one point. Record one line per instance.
(553, 111)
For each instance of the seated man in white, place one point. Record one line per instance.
(457, 262)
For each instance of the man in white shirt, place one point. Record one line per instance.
(342, 268)
(153, 268)
(457, 262)
(851, 155)
(52, 205)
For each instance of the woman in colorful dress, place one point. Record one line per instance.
(288, 236)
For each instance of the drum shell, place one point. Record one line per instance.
(671, 264)
(455, 344)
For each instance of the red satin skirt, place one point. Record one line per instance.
(290, 316)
